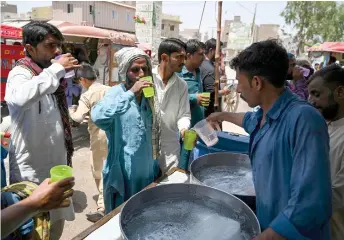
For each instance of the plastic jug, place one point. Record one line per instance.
(206, 132)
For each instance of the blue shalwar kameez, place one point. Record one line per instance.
(128, 125)
(290, 167)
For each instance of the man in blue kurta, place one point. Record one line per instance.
(132, 126)
(192, 76)
(289, 147)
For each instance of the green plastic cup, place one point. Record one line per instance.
(190, 137)
(206, 94)
(60, 172)
(148, 91)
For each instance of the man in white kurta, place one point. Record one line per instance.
(174, 101)
(37, 141)
(326, 93)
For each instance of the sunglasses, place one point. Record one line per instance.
(137, 69)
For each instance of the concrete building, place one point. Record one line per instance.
(150, 33)
(42, 13)
(188, 33)
(103, 14)
(206, 37)
(239, 34)
(266, 31)
(170, 26)
(8, 11)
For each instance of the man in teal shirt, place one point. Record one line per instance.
(192, 76)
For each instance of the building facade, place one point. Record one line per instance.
(189, 33)
(170, 26)
(110, 15)
(266, 31)
(8, 11)
(150, 32)
(42, 13)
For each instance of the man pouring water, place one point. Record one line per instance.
(289, 147)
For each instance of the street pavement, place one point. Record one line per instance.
(85, 191)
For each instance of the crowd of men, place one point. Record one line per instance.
(296, 147)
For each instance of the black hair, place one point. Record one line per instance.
(80, 55)
(36, 31)
(267, 59)
(211, 44)
(169, 46)
(332, 60)
(317, 64)
(86, 71)
(192, 46)
(332, 74)
(202, 45)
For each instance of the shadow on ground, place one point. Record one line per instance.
(79, 201)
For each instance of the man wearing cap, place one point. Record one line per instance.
(132, 125)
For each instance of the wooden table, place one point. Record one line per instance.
(116, 211)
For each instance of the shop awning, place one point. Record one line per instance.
(94, 32)
(328, 47)
(60, 24)
(11, 32)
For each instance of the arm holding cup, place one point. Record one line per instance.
(44, 198)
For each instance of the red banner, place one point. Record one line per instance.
(9, 55)
(11, 32)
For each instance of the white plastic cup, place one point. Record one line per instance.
(206, 132)
(70, 73)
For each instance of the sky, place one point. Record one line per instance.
(268, 12)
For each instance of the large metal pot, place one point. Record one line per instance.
(229, 172)
(186, 211)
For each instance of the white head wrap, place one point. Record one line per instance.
(126, 56)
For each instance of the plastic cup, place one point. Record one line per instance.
(148, 91)
(206, 133)
(60, 172)
(206, 94)
(190, 137)
(68, 74)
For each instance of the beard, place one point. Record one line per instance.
(330, 112)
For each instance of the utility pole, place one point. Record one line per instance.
(218, 55)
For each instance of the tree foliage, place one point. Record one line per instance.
(315, 21)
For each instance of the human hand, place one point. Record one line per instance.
(297, 74)
(182, 133)
(51, 196)
(139, 85)
(202, 99)
(268, 234)
(72, 109)
(215, 119)
(67, 61)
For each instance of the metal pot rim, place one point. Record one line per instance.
(171, 184)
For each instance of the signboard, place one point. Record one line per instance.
(11, 32)
(9, 55)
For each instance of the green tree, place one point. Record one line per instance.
(315, 21)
